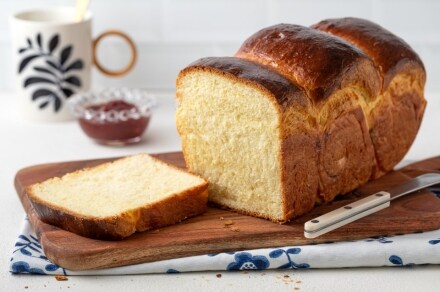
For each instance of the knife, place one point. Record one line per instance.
(366, 206)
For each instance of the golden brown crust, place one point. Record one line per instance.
(318, 62)
(346, 158)
(396, 118)
(109, 228)
(170, 210)
(390, 53)
(299, 174)
(166, 212)
(285, 93)
(396, 123)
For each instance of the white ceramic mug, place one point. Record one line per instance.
(52, 56)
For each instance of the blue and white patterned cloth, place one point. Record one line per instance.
(403, 250)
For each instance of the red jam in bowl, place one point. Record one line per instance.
(116, 122)
(114, 116)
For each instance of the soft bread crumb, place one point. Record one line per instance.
(229, 222)
(61, 278)
(234, 144)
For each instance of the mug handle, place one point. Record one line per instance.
(131, 44)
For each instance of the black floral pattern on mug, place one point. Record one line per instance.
(54, 81)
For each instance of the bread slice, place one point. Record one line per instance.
(114, 200)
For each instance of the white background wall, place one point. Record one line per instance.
(172, 33)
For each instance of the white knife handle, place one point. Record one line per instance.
(346, 214)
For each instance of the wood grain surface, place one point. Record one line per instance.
(221, 230)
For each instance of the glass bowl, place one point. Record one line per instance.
(115, 116)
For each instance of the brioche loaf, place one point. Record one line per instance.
(116, 199)
(300, 115)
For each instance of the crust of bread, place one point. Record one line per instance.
(318, 62)
(390, 53)
(299, 173)
(396, 117)
(282, 91)
(170, 210)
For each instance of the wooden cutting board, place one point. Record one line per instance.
(221, 230)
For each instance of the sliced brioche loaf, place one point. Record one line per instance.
(300, 115)
(113, 200)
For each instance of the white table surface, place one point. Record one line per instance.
(25, 143)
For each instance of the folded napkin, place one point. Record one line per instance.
(403, 250)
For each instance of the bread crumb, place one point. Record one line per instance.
(155, 231)
(298, 281)
(229, 222)
(221, 218)
(218, 275)
(296, 288)
(286, 276)
(235, 229)
(61, 278)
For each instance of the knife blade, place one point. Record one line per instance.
(366, 206)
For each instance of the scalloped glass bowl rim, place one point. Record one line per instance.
(144, 102)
